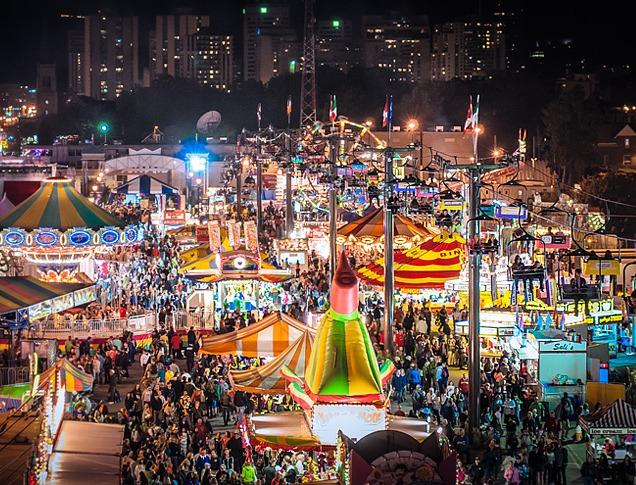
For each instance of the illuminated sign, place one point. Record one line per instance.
(131, 234)
(109, 237)
(354, 420)
(79, 237)
(556, 241)
(511, 212)
(562, 346)
(14, 237)
(594, 306)
(45, 238)
(197, 161)
(609, 267)
(451, 204)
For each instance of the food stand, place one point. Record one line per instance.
(562, 368)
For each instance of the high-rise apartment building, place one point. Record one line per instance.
(75, 61)
(173, 44)
(334, 44)
(463, 50)
(267, 39)
(214, 61)
(398, 45)
(111, 55)
(47, 97)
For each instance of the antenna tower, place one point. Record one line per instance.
(308, 82)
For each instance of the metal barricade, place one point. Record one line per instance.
(13, 375)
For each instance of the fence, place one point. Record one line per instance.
(94, 328)
(185, 319)
(13, 375)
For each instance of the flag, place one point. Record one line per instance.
(289, 108)
(476, 113)
(539, 324)
(468, 124)
(563, 321)
(333, 108)
(387, 113)
(258, 114)
(548, 320)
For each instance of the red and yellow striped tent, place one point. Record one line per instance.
(75, 379)
(267, 379)
(269, 337)
(18, 292)
(369, 229)
(427, 265)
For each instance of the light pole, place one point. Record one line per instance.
(333, 206)
(389, 284)
(103, 128)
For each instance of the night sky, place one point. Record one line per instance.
(33, 31)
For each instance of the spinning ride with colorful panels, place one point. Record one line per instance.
(57, 228)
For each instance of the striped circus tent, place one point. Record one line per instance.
(269, 337)
(267, 379)
(427, 265)
(616, 418)
(75, 379)
(369, 229)
(146, 185)
(57, 205)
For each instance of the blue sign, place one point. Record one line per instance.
(14, 238)
(511, 212)
(110, 237)
(80, 237)
(131, 234)
(46, 238)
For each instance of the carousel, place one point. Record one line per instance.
(57, 231)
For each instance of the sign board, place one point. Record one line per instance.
(451, 204)
(556, 241)
(293, 257)
(610, 431)
(561, 346)
(202, 234)
(354, 420)
(604, 267)
(174, 218)
(594, 306)
(511, 212)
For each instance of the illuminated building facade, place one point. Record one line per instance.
(214, 61)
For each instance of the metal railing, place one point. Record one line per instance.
(185, 319)
(13, 375)
(94, 328)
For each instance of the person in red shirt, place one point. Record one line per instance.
(175, 345)
(463, 384)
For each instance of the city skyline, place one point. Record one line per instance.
(46, 39)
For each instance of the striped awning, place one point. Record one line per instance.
(267, 379)
(427, 265)
(6, 206)
(146, 185)
(616, 418)
(57, 205)
(287, 430)
(19, 292)
(269, 337)
(75, 379)
(369, 229)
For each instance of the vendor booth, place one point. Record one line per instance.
(562, 367)
(616, 421)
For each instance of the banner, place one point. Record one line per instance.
(174, 218)
(605, 267)
(214, 233)
(251, 236)
(202, 234)
(230, 234)
(237, 235)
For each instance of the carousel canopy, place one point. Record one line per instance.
(146, 185)
(616, 418)
(269, 337)
(428, 265)
(369, 229)
(18, 292)
(6, 206)
(57, 205)
(267, 379)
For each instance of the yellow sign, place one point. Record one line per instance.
(609, 267)
(538, 305)
(451, 204)
(594, 306)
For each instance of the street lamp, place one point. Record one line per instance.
(412, 125)
(104, 129)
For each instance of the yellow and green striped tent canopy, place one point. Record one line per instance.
(57, 205)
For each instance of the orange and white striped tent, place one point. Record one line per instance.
(267, 379)
(269, 337)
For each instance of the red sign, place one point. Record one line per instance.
(174, 218)
(202, 234)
